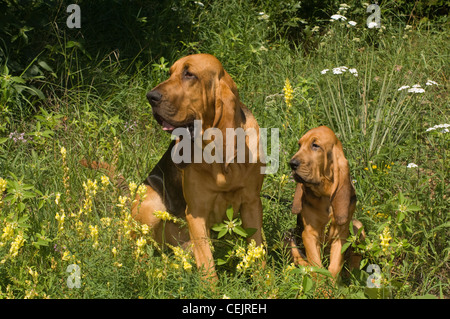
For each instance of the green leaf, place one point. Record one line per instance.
(218, 227)
(400, 216)
(240, 231)
(230, 213)
(345, 246)
(21, 207)
(250, 231)
(307, 284)
(221, 262)
(222, 233)
(45, 66)
(322, 271)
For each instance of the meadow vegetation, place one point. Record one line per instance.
(68, 94)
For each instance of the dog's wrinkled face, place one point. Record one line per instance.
(188, 94)
(314, 159)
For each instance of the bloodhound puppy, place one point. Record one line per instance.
(324, 193)
(199, 89)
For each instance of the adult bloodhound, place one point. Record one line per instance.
(324, 195)
(200, 89)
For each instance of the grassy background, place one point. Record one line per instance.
(84, 90)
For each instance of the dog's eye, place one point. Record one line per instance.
(188, 75)
(315, 147)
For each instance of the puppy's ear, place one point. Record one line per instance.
(342, 189)
(297, 205)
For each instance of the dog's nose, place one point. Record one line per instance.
(294, 163)
(154, 97)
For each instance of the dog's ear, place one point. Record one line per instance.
(297, 203)
(342, 190)
(226, 111)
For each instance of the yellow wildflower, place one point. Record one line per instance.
(105, 181)
(16, 245)
(385, 238)
(8, 231)
(63, 152)
(142, 191)
(60, 219)
(66, 256)
(94, 235)
(140, 244)
(33, 274)
(57, 197)
(145, 229)
(122, 201)
(182, 256)
(90, 187)
(132, 187)
(253, 254)
(288, 92)
(3, 184)
(166, 216)
(114, 252)
(105, 221)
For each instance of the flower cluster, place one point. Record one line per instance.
(385, 238)
(140, 246)
(253, 254)
(16, 244)
(60, 218)
(18, 137)
(105, 182)
(182, 256)
(341, 70)
(90, 189)
(3, 184)
(165, 216)
(437, 126)
(288, 93)
(94, 235)
(66, 170)
(417, 88)
(343, 7)
(8, 233)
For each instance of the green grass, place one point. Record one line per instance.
(104, 116)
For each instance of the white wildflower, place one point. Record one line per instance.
(352, 23)
(412, 165)
(443, 126)
(263, 16)
(338, 17)
(416, 90)
(404, 87)
(353, 71)
(343, 7)
(430, 82)
(340, 70)
(324, 71)
(372, 25)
